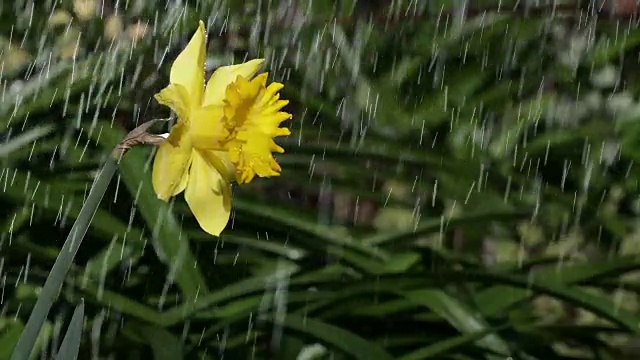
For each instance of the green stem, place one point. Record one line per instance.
(56, 277)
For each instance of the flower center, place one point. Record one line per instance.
(251, 119)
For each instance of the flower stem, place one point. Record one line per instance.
(63, 262)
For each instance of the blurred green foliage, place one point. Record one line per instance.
(454, 188)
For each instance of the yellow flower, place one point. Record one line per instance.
(224, 133)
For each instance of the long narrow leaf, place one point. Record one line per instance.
(56, 277)
(71, 342)
(336, 337)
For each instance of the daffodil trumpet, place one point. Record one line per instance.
(224, 133)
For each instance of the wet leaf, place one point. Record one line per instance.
(171, 244)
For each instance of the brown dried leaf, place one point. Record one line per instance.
(137, 136)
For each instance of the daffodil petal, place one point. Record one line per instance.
(206, 127)
(250, 153)
(208, 196)
(269, 122)
(251, 104)
(225, 75)
(270, 93)
(176, 97)
(188, 68)
(222, 162)
(170, 167)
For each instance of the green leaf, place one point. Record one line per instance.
(427, 227)
(271, 246)
(313, 232)
(63, 263)
(401, 262)
(524, 114)
(236, 289)
(460, 316)
(9, 335)
(25, 139)
(336, 337)
(498, 298)
(165, 345)
(103, 223)
(114, 300)
(71, 342)
(170, 242)
(599, 305)
(444, 346)
(614, 47)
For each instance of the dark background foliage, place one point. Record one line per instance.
(461, 182)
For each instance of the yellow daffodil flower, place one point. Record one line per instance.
(224, 132)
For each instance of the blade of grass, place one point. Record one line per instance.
(112, 300)
(339, 338)
(496, 299)
(54, 281)
(435, 225)
(25, 138)
(442, 347)
(71, 342)
(461, 317)
(322, 235)
(237, 289)
(600, 305)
